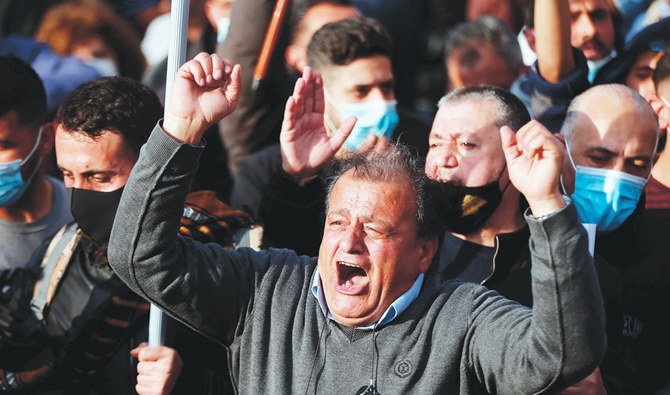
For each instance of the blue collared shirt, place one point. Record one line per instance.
(395, 309)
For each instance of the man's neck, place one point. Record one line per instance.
(506, 219)
(34, 204)
(661, 170)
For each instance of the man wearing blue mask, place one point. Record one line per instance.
(608, 165)
(611, 135)
(353, 58)
(33, 206)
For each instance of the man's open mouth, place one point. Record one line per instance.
(351, 278)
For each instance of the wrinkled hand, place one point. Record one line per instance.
(305, 145)
(534, 159)
(205, 90)
(591, 385)
(157, 370)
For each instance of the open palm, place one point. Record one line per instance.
(305, 144)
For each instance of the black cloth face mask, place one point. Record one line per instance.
(94, 211)
(467, 208)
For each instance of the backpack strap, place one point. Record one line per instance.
(54, 264)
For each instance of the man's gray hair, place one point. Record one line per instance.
(511, 111)
(614, 94)
(470, 35)
(398, 164)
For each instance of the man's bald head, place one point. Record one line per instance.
(610, 127)
(611, 101)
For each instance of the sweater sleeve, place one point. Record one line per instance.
(208, 288)
(562, 339)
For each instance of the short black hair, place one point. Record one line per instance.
(511, 111)
(21, 90)
(117, 104)
(396, 163)
(340, 43)
(299, 12)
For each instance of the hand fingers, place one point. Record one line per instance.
(218, 67)
(154, 353)
(298, 98)
(234, 86)
(369, 143)
(319, 100)
(308, 93)
(534, 139)
(509, 143)
(206, 70)
(206, 63)
(343, 132)
(152, 384)
(135, 351)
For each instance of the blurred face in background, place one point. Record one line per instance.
(592, 28)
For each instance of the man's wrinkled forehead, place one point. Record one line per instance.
(466, 117)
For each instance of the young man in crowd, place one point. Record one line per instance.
(33, 205)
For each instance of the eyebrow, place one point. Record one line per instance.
(600, 150)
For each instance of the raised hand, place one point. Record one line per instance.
(534, 159)
(305, 144)
(205, 90)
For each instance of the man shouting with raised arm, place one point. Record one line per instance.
(369, 315)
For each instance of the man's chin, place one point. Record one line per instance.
(351, 311)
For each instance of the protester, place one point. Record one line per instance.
(353, 56)
(60, 74)
(611, 135)
(482, 52)
(83, 321)
(658, 188)
(562, 72)
(379, 242)
(95, 34)
(33, 206)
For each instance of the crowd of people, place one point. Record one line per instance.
(310, 231)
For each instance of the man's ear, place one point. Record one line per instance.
(661, 111)
(47, 140)
(428, 251)
(294, 58)
(560, 138)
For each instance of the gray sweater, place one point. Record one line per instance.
(454, 338)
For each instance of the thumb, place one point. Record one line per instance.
(233, 88)
(135, 352)
(342, 133)
(509, 145)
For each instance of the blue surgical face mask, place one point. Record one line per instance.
(12, 185)
(378, 117)
(605, 197)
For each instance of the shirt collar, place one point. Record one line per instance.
(394, 310)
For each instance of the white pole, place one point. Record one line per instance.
(176, 58)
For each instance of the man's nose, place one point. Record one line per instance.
(585, 27)
(446, 158)
(352, 240)
(377, 94)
